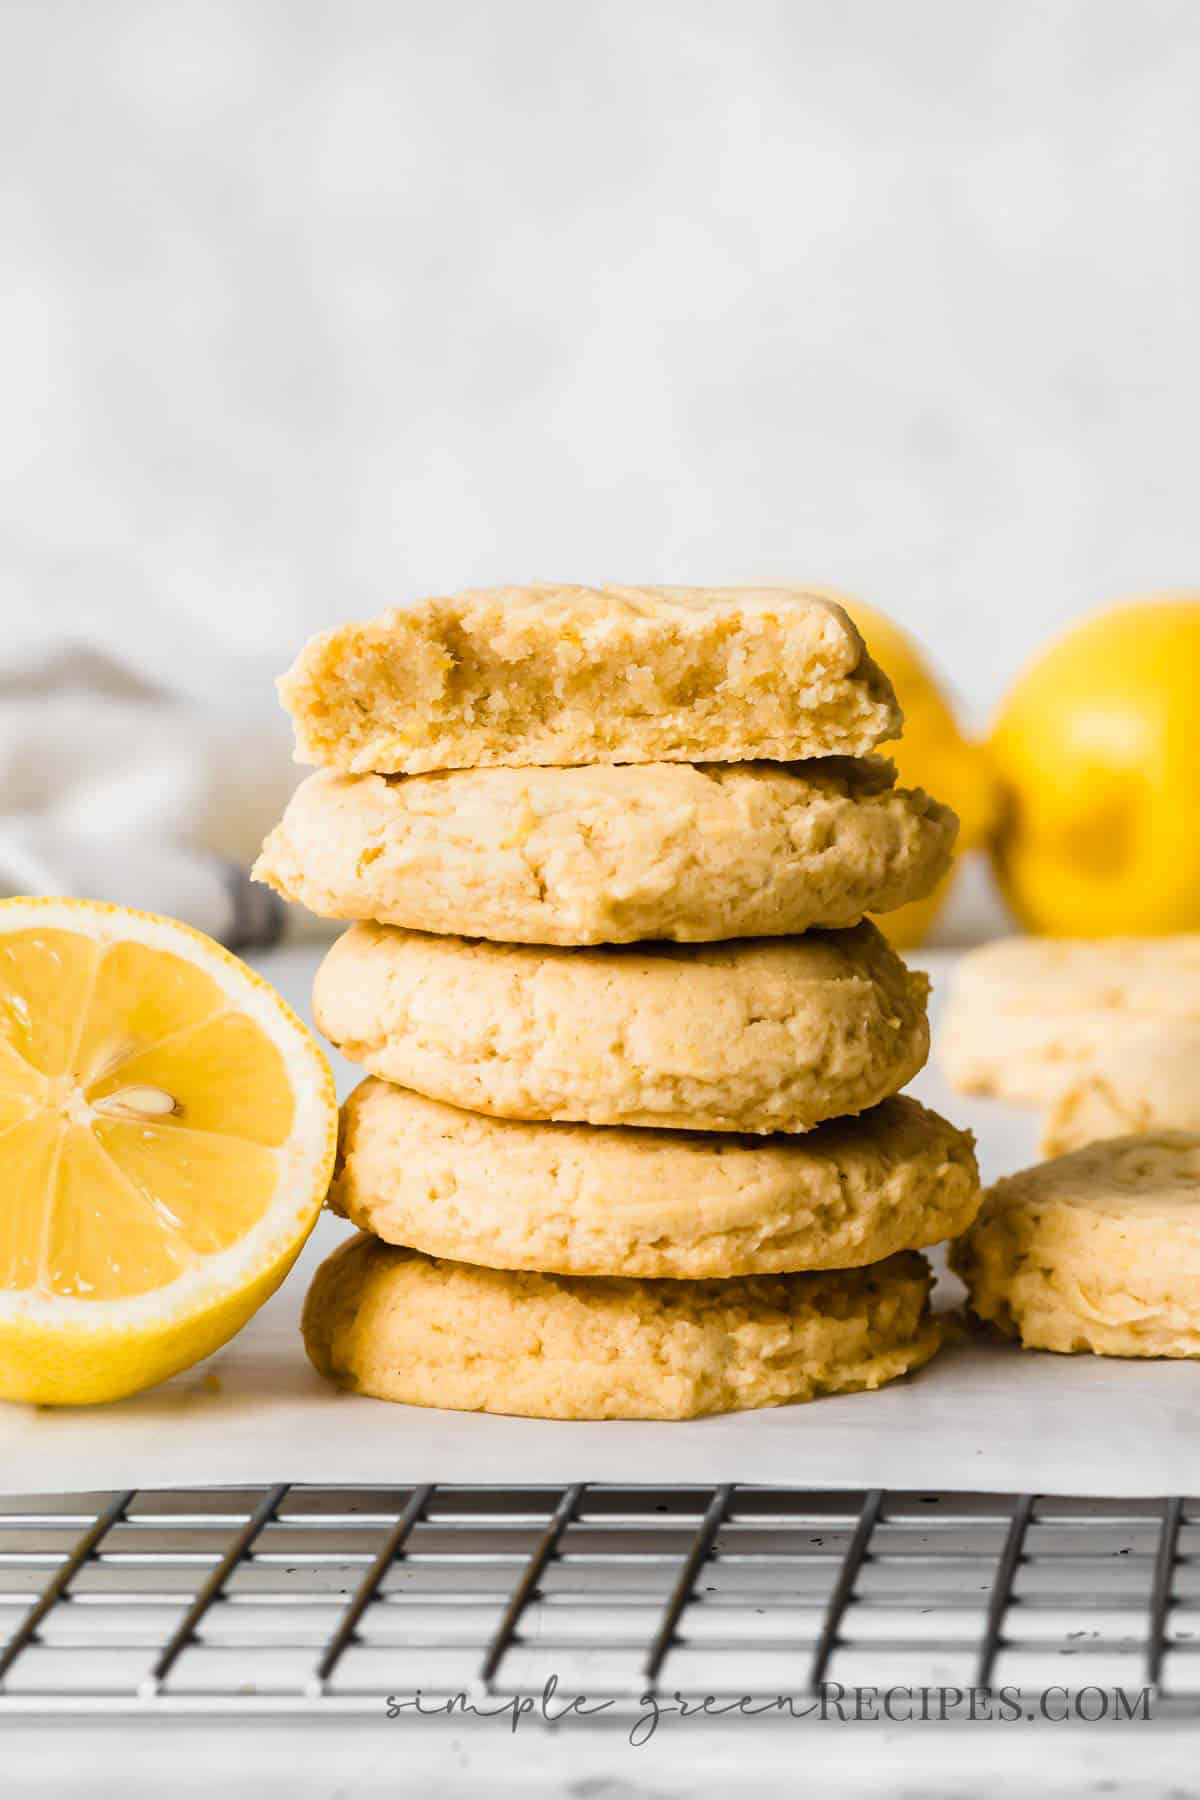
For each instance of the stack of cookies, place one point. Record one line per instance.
(629, 1146)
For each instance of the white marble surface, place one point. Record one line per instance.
(308, 308)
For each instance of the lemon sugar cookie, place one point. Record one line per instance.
(560, 674)
(597, 854)
(402, 1326)
(1026, 1015)
(757, 1035)
(1148, 1077)
(590, 1200)
(1097, 1250)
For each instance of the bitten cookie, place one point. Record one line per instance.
(1028, 1015)
(402, 1326)
(608, 855)
(591, 1200)
(1098, 1250)
(556, 674)
(759, 1035)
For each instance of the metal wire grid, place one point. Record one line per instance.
(329, 1599)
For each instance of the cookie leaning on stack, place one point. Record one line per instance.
(604, 1158)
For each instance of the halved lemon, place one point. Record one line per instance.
(167, 1136)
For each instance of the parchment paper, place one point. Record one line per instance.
(980, 1417)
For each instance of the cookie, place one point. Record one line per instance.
(594, 1200)
(1028, 1015)
(596, 855)
(1098, 1250)
(557, 674)
(1147, 1077)
(758, 1035)
(402, 1326)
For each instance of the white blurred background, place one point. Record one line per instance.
(307, 307)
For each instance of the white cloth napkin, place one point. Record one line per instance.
(114, 788)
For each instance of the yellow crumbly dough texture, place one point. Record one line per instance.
(609, 855)
(757, 1035)
(599, 1200)
(1098, 1250)
(1147, 1077)
(1027, 1016)
(555, 674)
(402, 1326)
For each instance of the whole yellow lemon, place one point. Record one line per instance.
(1098, 745)
(934, 754)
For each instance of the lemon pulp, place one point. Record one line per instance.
(167, 1132)
(140, 1116)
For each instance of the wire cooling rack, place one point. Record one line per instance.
(325, 1599)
